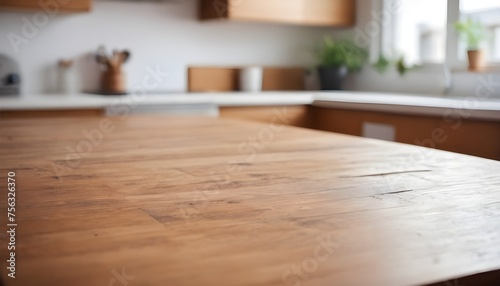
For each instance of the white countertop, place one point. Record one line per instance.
(473, 107)
(83, 101)
(392, 103)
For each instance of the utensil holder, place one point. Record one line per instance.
(113, 81)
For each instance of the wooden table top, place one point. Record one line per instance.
(203, 201)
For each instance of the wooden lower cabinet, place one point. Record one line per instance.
(473, 137)
(297, 115)
(481, 279)
(50, 113)
(49, 7)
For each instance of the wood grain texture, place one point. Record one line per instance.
(451, 133)
(220, 79)
(299, 12)
(297, 115)
(198, 201)
(51, 113)
(52, 6)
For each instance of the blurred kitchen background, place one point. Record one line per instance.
(169, 34)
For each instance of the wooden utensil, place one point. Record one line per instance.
(102, 57)
(125, 55)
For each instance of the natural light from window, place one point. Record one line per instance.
(420, 31)
(478, 5)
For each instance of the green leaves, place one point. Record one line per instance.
(383, 64)
(472, 32)
(341, 53)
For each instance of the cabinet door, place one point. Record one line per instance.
(329, 12)
(50, 6)
(297, 115)
(300, 12)
(282, 11)
(50, 113)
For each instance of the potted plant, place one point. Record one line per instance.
(336, 59)
(473, 33)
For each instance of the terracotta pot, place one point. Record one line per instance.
(476, 60)
(113, 81)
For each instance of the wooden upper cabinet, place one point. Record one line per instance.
(265, 10)
(329, 12)
(300, 12)
(51, 7)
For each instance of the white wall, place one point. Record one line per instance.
(168, 34)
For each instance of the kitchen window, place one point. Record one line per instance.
(422, 31)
